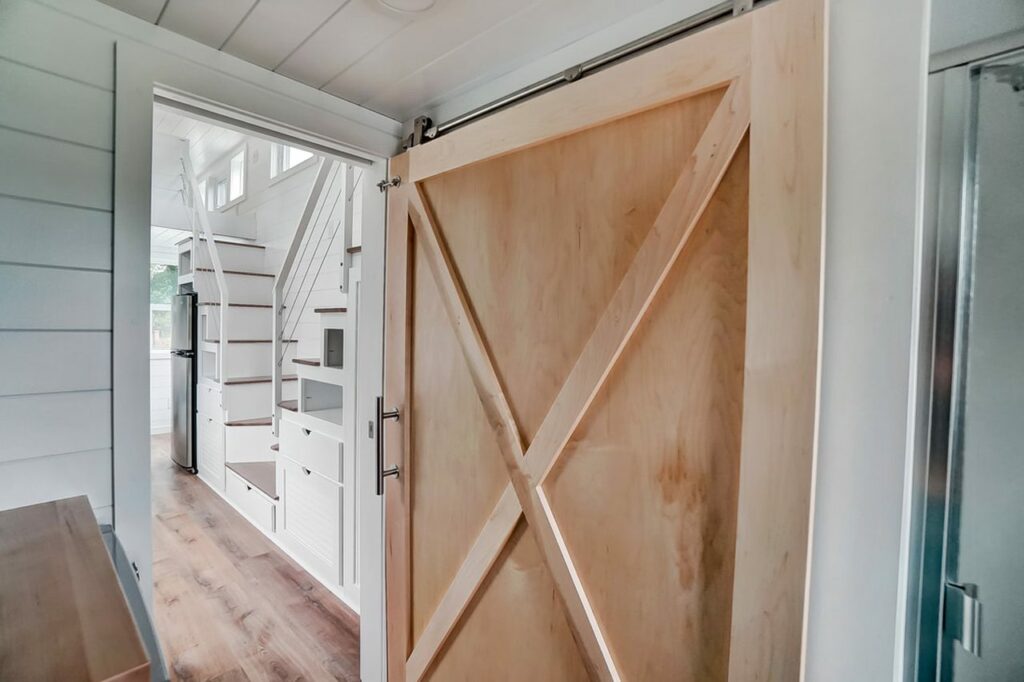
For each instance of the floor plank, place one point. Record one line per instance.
(229, 605)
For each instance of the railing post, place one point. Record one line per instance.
(199, 211)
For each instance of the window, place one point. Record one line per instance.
(283, 158)
(226, 185)
(236, 176)
(163, 284)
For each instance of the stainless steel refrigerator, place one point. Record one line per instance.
(183, 380)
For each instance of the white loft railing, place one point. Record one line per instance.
(328, 212)
(281, 283)
(199, 219)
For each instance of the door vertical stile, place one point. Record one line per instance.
(397, 354)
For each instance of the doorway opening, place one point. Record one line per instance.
(255, 278)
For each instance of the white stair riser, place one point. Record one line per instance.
(248, 443)
(253, 359)
(251, 401)
(234, 258)
(241, 288)
(243, 323)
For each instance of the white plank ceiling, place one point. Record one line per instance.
(398, 64)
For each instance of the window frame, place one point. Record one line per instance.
(297, 168)
(219, 173)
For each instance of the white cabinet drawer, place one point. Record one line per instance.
(312, 450)
(253, 503)
(310, 522)
(208, 402)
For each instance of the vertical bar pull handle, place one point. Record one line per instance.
(383, 473)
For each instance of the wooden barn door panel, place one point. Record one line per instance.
(582, 327)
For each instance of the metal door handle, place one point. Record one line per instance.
(383, 473)
(963, 616)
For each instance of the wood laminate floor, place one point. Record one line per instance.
(229, 605)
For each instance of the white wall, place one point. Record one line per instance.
(56, 142)
(57, 93)
(876, 104)
(958, 22)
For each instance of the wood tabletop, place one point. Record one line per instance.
(63, 615)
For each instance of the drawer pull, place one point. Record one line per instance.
(306, 431)
(248, 487)
(306, 471)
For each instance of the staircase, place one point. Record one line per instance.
(257, 309)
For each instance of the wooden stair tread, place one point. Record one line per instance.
(276, 447)
(292, 405)
(262, 475)
(237, 272)
(250, 340)
(330, 310)
(239, 305)
(354, 249)
(224, 241)
(257, 421)
(235, 381)
(312, 362)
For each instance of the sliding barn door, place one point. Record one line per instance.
(602, 339)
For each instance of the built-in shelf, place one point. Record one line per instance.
(321, 400)
(247, 273)
(332, 415)
(292, 405)
(309, 362)
(258, 421)
(235, 381)
(262, 475)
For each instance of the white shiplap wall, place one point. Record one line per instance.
(56, 186)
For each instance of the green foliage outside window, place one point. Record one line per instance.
(163, 283)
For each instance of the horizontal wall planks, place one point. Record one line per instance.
(52, 170)
(86, 52)
(54, 423)
(51, 362)
(53, 298)
(41, 102)
(42, 479)
(41, 233)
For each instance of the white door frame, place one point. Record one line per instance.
(274, 103)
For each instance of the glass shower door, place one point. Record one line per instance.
(983, 613)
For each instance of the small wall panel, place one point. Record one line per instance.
(48, 234)
(52, 170)
(30, 481)
(47, 104)
(54, 298)
(50, 362)
(54, 423)
(29, 31)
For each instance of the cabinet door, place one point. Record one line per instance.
(311, 518)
